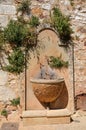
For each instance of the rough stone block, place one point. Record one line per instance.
(3, 20)
(6, 93)
(7, 1)
(3, 77)
(46, 6)
(7, 9)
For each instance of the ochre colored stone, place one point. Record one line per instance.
(37, 11)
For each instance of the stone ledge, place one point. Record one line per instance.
(59, 113)
(40, 117)
(34, 113)
(46, 113)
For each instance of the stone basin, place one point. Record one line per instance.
(47, 90)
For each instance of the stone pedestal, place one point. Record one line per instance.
(46, 117)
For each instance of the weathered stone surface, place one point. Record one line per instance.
(7, 1)
(37, 11)
(3, 20)
(6, 93)
(7, 9)
(81, 101)
(2, 105)
(80, 87)
(46, 6)
(3, 77)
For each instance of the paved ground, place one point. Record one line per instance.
(10, 126)
(78, 123)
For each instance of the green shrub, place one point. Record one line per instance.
(56, 62)
(15, 102)
(15, 33)
(4, 113)
(16, 61)
(24, 6)
(34, 22)
(62, 25)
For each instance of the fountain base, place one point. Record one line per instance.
(46, 117)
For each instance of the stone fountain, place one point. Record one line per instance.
(50, 97)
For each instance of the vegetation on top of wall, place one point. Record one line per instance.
(15, 33)
(57, 62)
(16, 61)
(24, 7)
(62, 25)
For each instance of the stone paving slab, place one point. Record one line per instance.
(10, 126)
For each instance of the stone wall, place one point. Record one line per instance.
(10, 85)
(78, 20)
(7, 11)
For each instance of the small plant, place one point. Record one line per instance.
(34, 22)
(62, 25)
(24, 7)
(56, 62)
(16, 61)
(1, 38)
(15, 33)
(15, 102)
(4, 113)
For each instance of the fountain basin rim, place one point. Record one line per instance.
(46, 81)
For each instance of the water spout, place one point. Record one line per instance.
(46, 72)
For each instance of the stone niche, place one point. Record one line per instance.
(49, 46)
